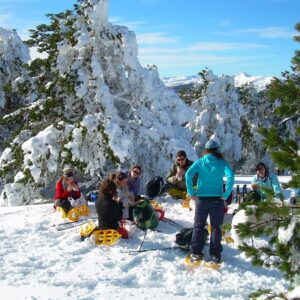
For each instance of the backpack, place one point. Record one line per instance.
(184, 237)
(92, 196)
(154, 186)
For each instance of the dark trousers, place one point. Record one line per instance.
(64, 204)
(214, 207)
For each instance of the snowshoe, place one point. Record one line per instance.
(193, 261)
(62, 212)
(87, 229)
(105, 237)
(186, 203)
(214, 263)
(76, 212)
(155, 204)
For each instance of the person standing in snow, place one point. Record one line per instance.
(126, 197)
(176, 175)
(264, 179)
(66, 189)
(209, 199)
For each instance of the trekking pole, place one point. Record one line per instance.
(171, 222)
(142, 241)
(153, 249)
(237, 193)
(64, 226)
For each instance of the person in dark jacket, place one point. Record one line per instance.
(66, 187)
(108, 206)
(176, 175)
(144, 214)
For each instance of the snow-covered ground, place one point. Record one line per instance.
(39, 262)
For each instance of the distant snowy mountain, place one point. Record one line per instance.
(260, 82)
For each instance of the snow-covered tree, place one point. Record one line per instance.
(259, 112)
(219, 115)
(13, 55)
(97, 108)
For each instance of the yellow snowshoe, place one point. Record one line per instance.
(61, 211)
(186, 202)
(191, 262)
(105, 237)
(84, 210)
(155, 204)
(74, 214)
(87, 229)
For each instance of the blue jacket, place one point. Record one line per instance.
(271, 182)
(210, 170)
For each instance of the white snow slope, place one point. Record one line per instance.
(39, 262)
(260, 82)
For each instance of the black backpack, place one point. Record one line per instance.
(154, 186)
(184, 237)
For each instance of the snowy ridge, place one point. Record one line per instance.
(260, 82)
(57, 265)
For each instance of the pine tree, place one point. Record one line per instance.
(277, 219)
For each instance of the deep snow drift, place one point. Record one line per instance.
(39, 262)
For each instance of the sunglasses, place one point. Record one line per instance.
(136, 172)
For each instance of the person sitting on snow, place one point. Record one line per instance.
(264, 179)
(108, 206)
(144, 214)
(126, 197)
(176, 175)
(66, 190)
(134, 180)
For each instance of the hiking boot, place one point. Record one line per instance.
(195, 257)
(215, 259)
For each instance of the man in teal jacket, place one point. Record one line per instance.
(209, 197)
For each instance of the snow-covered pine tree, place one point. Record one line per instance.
(97, 108)
(219, 115)
(259, 112)
(278, 220)
(14, 54)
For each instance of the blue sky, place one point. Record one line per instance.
(182, 37)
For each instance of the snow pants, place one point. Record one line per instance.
(214, 208)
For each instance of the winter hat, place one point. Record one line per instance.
(211, 144)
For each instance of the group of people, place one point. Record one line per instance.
(119, 199)
(202, 181)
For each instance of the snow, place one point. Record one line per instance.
(260, 82)
(285, 234)
(39, 262)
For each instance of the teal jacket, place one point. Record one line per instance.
(270, 182)
(210, 171)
